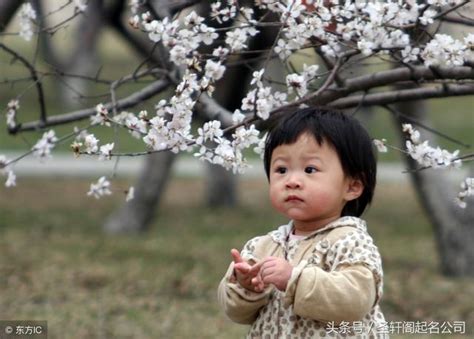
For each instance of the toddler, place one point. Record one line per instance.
(320, 275)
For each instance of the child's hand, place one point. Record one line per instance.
(245, 274)
(273, 270)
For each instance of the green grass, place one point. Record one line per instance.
(56, 264)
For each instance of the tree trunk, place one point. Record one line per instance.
(135, 215)
(221, 186)
(452, 225)
(7, 11)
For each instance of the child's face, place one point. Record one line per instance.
(307, 183)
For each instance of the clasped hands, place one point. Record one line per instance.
(256, 277)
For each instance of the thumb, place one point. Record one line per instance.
(236, 255)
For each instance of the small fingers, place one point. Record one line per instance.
(236, 255)
(242, 267)
(256, 268)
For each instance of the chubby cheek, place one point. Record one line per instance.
(321, 201)
(276, 198)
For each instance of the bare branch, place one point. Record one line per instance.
(391, 77)
(130, 101)
(403, 95)
(34, 76)
(411, 120)
(458, 20)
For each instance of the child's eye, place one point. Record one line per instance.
(280, 170)
(310, 169)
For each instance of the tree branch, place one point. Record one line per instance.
(403, 95)
(34, 76)
(130, 101)
(391, 77)
(458, 20)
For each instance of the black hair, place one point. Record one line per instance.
(344, 133)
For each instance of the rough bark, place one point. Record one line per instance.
(135, 215)
(453, 227)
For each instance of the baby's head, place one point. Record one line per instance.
(342, 133)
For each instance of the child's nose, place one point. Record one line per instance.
(294, 181)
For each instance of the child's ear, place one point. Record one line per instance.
(355, 188)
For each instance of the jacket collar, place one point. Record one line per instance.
(281, 234)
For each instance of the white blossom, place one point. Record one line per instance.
(469, 41)
(467, 190)
(101, 117)
(443, 50)
(410, 54)
(221, 13)
(130, 194)
(220, 52)
(27, 15)
(155, 30)
(207, 34)
(81, 5)
(100, 188)
(179, 55)
(106, 151)
(260, 148)
(310, 72)
(283, 49)
(44, 146)
(237, 39)
(12, 108)
(245, 137)
(257, 78)
(380, 144)
(428, 16)
(193, 19)
(137, 126)
(211, 130)
(11, 179)
(91, 144)
(261, 101)
(297, 83)
(426, 155)
(214, 70)
(238, 117)
(134, 5)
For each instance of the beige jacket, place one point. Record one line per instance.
(334, 288)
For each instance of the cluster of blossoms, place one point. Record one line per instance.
(381, 145)
(426, 155)
(45, 145)
(467, 190)
(227, 153)
(27, 15)
(80, 5)
(4, 170)
(369, 27)
(12, 107)
(100, 188)
(444, 50)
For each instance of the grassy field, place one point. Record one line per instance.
(56, 265)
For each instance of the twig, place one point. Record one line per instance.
(130, 101)
(427, 128)
(34, 76)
